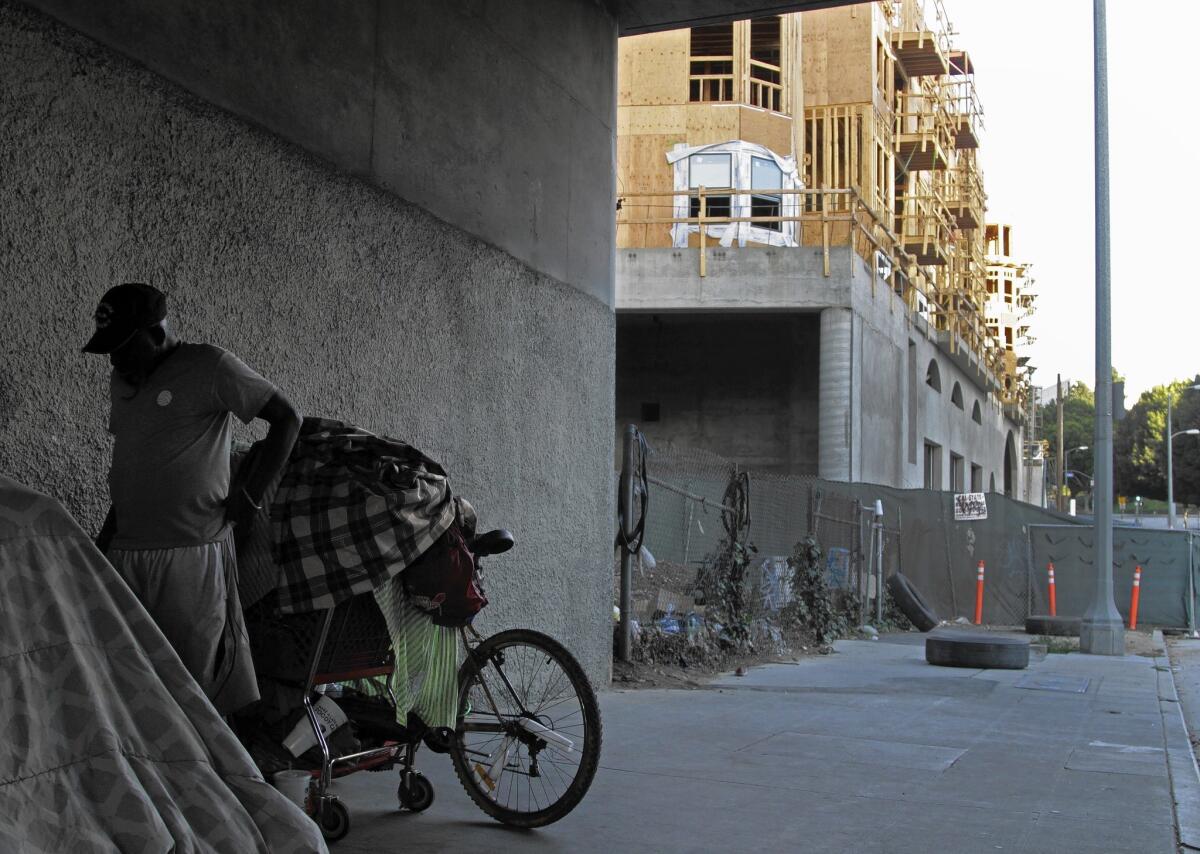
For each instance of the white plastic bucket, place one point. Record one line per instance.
(293, 785)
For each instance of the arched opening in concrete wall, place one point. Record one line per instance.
(933, 376)
(1010, 465)
(956, 395)
(976, 414)
(992, 482)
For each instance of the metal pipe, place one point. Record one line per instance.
(1191, 587)
(1170, 460)
(624, 519)
(1060, 479)
(1102, 631)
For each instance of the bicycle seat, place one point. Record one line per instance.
(491, 543)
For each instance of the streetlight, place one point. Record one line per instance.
(1067, 459)
(1086, 481)
(1102, 631)
(1171, 459)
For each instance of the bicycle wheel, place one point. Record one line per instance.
(527, 741)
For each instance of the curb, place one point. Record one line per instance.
(1181, 760)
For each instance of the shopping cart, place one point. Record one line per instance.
(526, 742)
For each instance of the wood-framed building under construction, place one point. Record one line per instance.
(802, 270)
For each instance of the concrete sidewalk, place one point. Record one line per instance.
(867, 750)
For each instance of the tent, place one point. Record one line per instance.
(109, 742)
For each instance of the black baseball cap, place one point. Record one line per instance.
(124, 310)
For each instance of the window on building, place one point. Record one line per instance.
(976, 413)
(1008, 337)
(711, 70)
(1008, 291)
(766, 175)
(710, 171)
(766, 64)
(933, 465)
(976, 478)
(993, 285)
(957, 470)
(956, 396)
(933, 376)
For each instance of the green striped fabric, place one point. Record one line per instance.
(426, 674)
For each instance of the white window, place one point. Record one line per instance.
(766, 175)
(710, 171)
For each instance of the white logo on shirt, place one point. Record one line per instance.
(164, 397)
(103, 315)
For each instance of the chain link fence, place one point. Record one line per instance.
(687, 505)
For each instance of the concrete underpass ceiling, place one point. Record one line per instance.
(648, 16)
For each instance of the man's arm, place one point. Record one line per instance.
(284, 419)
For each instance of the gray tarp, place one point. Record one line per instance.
(940, 556)
(110, 745)
(1167, 558)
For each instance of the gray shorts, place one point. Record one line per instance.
(191, 592)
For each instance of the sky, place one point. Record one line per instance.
(1034, 78)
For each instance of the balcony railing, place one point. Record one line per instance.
(825, 218)
(923, 223)
(964, 111)
(710, 78)
(962, 187)
(921, 45)
(923, 132)
(766, 85)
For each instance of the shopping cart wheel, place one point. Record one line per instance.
(415, 792)
(335, 820)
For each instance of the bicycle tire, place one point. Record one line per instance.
(466, 758)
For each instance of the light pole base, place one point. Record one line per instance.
(1102, 636)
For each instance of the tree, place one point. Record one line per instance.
(1185, 416)
(1140, 444)
(1079, 418)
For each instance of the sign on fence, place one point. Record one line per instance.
(969, 506)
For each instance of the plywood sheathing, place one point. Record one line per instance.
(837, 56)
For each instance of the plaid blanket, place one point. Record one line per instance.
(353, 509)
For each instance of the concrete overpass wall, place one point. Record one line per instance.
(404, 222)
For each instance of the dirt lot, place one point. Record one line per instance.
(686, 672)
(690, 675)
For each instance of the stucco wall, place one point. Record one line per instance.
(496, 117)
(359, 305)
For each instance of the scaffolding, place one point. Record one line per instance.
(887, 157)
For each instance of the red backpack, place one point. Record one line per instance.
(444, 582)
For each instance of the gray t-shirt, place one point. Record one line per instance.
(170, 468)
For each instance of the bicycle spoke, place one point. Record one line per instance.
(516, 679)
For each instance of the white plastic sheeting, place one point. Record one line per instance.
(742, 155)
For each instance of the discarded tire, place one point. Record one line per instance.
(966, 649)
(911, 604)
(1044, 624)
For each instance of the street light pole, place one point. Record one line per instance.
(1170, 448)
(1101, 631)
(1171, 461)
